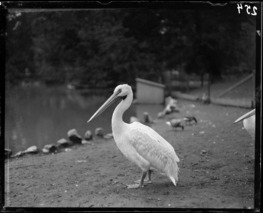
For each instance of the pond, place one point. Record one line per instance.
(43, 115)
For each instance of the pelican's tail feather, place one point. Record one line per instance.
(173, 173)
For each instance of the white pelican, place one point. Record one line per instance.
(139, 143)
(248, 122)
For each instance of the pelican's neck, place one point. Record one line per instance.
(117, 121)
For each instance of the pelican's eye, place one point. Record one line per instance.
(118, 91)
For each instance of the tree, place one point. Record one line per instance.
(110, 46)
(19, 54)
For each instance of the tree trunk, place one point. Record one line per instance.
(202, 79)
(209, 87)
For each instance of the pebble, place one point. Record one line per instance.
(74, 136)
(203, 152)
(108, 136)
(32, 150)
(49, 148)
(81, 161)
(214, 178)
(86, 142)
(63, 143)
(19, 154)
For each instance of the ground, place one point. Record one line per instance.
(216, 169)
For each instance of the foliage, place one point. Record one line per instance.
(99, 48)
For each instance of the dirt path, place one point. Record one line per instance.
(216, 169)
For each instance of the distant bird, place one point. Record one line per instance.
(139, 143)
(161, 114)
(70, 86)
(88, 135)
(99, 132)
(175, 123)
(190, 119)
(248, 122)
(133, 118)
(170, 108)
(204, 98)
(147, 118)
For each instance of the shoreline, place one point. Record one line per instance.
(216, 169)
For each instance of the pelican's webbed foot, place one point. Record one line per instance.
(134, 186)
(140, 184)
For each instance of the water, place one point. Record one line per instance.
(42, 115)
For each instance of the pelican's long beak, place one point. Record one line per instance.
(107, 103)
(250, 113)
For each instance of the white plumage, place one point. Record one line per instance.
(140, 143)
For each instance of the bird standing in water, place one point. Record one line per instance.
(139, 143)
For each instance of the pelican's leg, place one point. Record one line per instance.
(146, 181)
(138, 185)
(149, 176)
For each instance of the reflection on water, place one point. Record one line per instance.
(40, 115)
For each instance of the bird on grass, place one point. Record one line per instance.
(190, 119)
(248, 122)
(175, 123)
(133, 118)
(147, 119)
(139, 143)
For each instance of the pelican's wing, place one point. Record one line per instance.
(149, 144)
(154, 136)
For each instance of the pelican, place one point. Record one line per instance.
(248, 122)
(139, 143)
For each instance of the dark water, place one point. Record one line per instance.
(42, 115)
